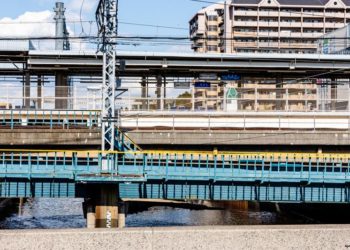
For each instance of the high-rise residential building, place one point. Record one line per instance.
(290, 26)
(267, 26)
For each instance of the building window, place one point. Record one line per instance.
(212, 18)
(212, 28)
(212, 48)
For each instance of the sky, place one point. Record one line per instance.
(15, 15)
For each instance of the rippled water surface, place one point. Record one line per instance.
(67, 213)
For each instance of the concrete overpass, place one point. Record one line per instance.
(174, 64)
(190, 64)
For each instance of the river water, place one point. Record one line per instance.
(67, 213)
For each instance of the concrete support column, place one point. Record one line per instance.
(192, 98)
(333, 94)
(20, 206)
(164, 93)
(279, 94)
(39, 92)
(121, 214)
(144, 93)
(26, 89)
(159, 92)
(90, 216)
(61, 91)
(104, 210)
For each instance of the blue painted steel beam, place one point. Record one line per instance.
(61, 174)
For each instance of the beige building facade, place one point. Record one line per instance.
(286, 26)
(266, 26)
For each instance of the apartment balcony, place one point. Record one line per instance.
(198, 42)
(269, 96)
(301, 35)
(268, 24)
(311, 35)
(245, 23)
(298, 45)
(290, 24)
(301, 97)
(301, 86)
(263, 87)
(245, 13)
(313, 25)
(250, 85)
(198, 48)
(248, 96)
(197, 33)
(290, 14)
(212, 34)
(334, 25)
(245, 44)
(268, 44)
(285, 33)
(268, 34)
(335, 15)
(268, 13)
(244, 34)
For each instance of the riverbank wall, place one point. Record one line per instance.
(229, 237)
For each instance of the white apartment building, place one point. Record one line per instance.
(267, 26)
(288, 26)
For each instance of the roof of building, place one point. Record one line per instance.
(292, 2)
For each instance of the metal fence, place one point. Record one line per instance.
(49, 119)
(296, 98)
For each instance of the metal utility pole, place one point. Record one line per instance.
(61, 28)
(107, 21)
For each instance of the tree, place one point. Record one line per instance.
(184, 100)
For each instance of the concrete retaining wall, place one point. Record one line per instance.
(32, 136)
(257, 137)
(239, 237)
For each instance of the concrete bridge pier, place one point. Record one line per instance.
(26, 91)
(61, 91)
(159, 92)
(39, 92)
(103, 209)
(144, 93)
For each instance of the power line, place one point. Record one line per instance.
(93, 21)
(154, 25)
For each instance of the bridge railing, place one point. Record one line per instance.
(49, 118)
(235, 121)
(173, 166)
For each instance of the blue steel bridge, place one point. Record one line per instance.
(282, 177)
(180, 175)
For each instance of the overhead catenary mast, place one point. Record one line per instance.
(107, 21)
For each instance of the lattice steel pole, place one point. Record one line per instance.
(107, 21)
